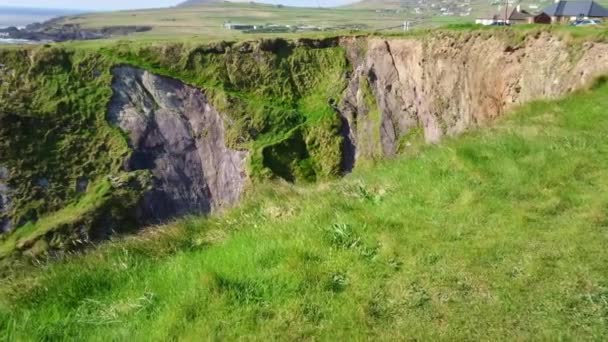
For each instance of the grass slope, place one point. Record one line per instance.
(499, 234)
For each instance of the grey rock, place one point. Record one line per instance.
(5, 201)
(43, 183)
(177, 135)
(449, 84)
(82, 183)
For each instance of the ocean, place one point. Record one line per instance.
(8, 41)
(21, 17)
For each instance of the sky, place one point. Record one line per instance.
(103, 5)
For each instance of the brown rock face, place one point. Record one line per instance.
(448, 84)
(443, 85)
(179, 137)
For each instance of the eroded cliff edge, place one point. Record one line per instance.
(446, 85)
(92, 143)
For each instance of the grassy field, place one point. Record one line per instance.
(500, 234)
(207, 21)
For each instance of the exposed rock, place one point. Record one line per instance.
(177, 135)
(318, 43)
(43, 183)
(274, 44)
(441, 85)
(52, 31)
(82, 183)
(214, 48)
(449, 84)
(5, 201)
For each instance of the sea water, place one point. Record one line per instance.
(6, 41)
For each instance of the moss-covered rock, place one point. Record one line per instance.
(267, 88)
(58, 146)
(53, 131)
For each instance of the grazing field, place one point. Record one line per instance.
(500, 234)
(207, 21)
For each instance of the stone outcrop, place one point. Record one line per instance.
(178, 162)
(447, 84)
(53, 31)
(5, 201)
(177, 135)
(443, 85)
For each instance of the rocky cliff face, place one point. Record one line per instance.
(441, 86)
(177, 135)
(300, 111)
(448, 84)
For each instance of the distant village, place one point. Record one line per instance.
(560, 12)
(276, 28)
(508, 12)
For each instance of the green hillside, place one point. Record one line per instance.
(206, 18)
(207, 21)
(497, 235)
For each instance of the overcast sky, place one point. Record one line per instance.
(128, 4)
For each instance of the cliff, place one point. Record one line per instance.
(99, 142)
(176, 134)
(446, 85)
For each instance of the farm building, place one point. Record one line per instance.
(239, 27)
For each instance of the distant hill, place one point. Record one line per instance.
(206, 2)
(198, 2)
(382, 3)
(293, 3)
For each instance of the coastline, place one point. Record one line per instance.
(11, 41)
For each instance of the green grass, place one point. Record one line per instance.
(370, 148)
(496, 235)
(105, 206)
(68, 215)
